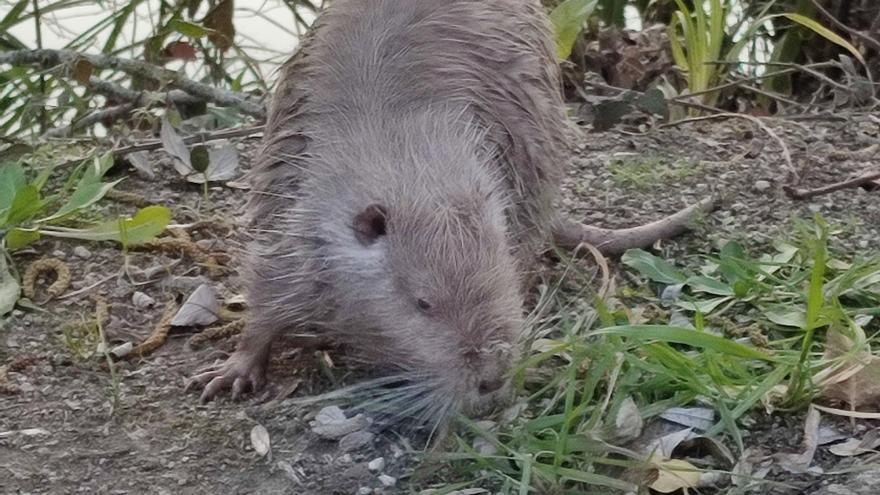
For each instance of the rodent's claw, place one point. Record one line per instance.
(241, 375)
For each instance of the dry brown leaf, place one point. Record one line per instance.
(856, 379)
(675, 474)
(82, 71)
(219, 20)
(180, 50)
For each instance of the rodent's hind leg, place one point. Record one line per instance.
(244, 370)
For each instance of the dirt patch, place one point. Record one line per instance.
(67, 425)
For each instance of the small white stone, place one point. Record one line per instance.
(376, 465)
(142, 300)
(365, 490)
(82, 252)
(762, 185)
(388, 481)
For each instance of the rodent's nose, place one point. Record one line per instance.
(489, 386)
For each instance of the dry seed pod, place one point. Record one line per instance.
(43, 266)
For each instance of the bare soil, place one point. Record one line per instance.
(66, 426)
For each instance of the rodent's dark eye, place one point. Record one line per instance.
(423, 305)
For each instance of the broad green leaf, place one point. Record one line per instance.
(25, 205)
(786, 317)
(19, 238)
(595, 479)
(84, 195)
(188, 28)
(825, 33)
(710, 285)
(656, 269)
(95, 171)
(10, 289)
(144, 226)
(11, 180)
(703, 305)
(568, 19)
(680, 335)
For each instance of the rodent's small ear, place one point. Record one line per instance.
(369, 224)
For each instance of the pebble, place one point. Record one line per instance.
(388, 481)
(365, 490)
(82, 252)
(376, 465)
(355, 440)
(762, 185)
(59, 254)
(142, 300)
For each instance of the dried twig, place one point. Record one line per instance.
(54, 58)
(159, 335)
(861, 180)
(570, 235)
(201, 137)
(105, 116)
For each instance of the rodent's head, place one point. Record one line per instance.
(437, 297)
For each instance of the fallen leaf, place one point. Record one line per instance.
(628, 423)
(141, 164)
(174, 146)
(675, 474)
(219, 20)
(82, 71)
(857, 446)
(699, 418)
(201, 308)
(855, 379)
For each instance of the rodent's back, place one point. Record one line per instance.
(374, 60)
(411, 155)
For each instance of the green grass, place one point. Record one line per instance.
(645, 172)
(696, 349)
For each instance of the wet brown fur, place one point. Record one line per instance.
(445, 114)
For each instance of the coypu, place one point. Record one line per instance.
(411, 158)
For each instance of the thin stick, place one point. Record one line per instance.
(861, 180)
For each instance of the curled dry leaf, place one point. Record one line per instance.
(856, 380)
(675, 474)
(332, 423)
(628, 423)
(260, 440)
(201, 308)
(856, 446)
(699, 418)
(141, 163)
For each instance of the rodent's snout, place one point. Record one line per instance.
(489, 386)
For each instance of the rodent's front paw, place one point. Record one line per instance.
(241, 372)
